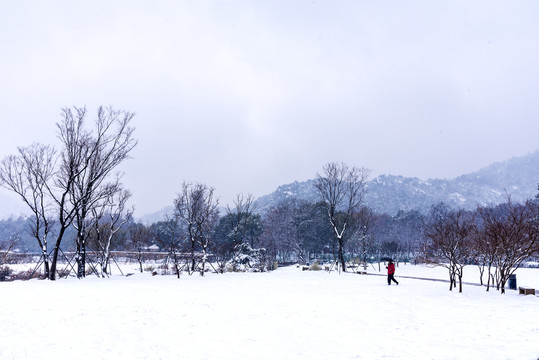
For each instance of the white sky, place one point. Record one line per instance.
(249, 95)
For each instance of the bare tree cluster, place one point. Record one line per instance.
(451, 235)
(196, 208)
(108, 218)
(507, 235)
(297, 231)
(63, 187)
(498, 239)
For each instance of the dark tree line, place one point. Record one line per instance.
(74, 193)
(496, 239)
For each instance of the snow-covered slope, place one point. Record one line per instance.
(517, 177)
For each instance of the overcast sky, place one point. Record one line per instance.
(249, 95)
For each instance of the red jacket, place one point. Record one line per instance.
(391, 269)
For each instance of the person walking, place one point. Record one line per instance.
(391, 272)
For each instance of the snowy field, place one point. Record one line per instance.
(285, 314)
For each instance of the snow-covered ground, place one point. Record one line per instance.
(284, 314)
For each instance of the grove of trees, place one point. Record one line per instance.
(66, 187)
(497, 239)
(80, 217)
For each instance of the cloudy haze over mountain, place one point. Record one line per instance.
(248, 95)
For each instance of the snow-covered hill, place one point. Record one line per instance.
(517, 177)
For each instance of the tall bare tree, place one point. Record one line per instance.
(103, 149)
(342, 189)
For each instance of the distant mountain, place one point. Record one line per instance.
(517, 177)
(157, 216)
(161, 215)
(388, 194)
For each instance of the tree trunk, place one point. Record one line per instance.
(193, 263)
(503, 278)
(481, 273)
(52, 274)
(203, 261)
(45, 262)
(489, 276)
(176, 265)
(106, 258)
(81, 256)
(341, 254)
(139, 258)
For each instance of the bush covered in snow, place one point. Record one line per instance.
(248, 259)
(315, 266)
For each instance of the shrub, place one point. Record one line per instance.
(149, 268)
(249, 259)
(63, 273)
(91, 270)
(27, 275)
(315, 266)
(5, 272)
(165, 269)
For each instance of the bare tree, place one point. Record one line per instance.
(293, 225)
(102, 150)
(197, 208)
(280, 225)
(273, 234)
(364, 240)
(27, 174)
(139, 240)
(5, 256)
(170, 235)
(5, 248)
(486, 251)
(342, 189)
(108, 219)
(450, 235)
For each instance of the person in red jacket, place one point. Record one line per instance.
(390, 273)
